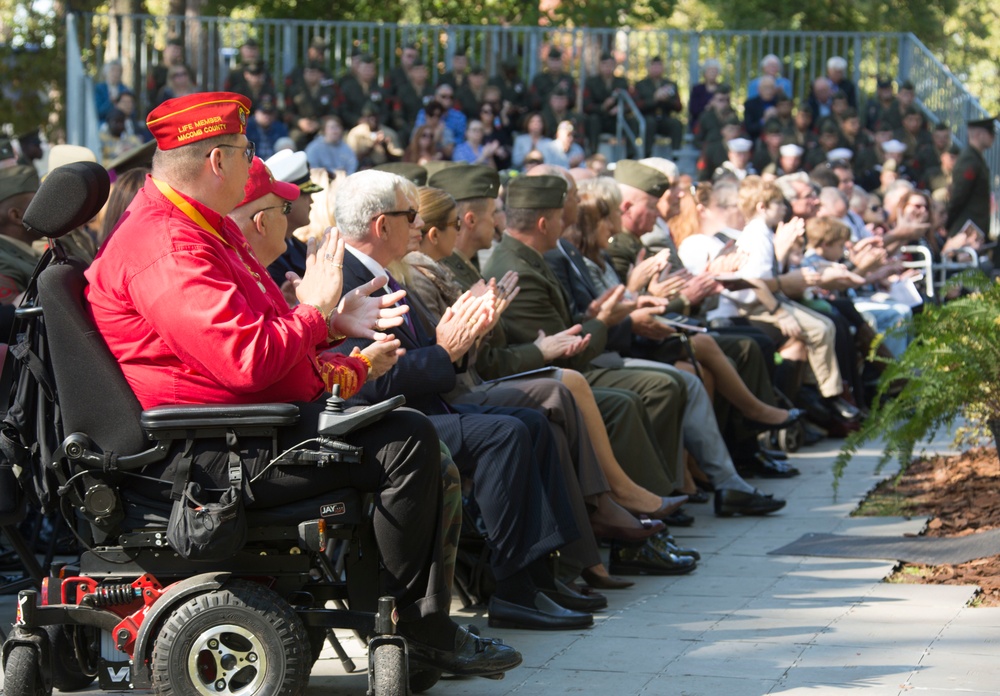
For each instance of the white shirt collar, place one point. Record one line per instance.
(368, 262)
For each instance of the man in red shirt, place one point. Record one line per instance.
(192, 316)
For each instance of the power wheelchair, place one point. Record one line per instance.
(132, 612)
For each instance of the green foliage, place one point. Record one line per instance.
(951, 370)
(605, 13)
(32, 62)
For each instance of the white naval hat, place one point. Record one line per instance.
(840, 153)
(894, 147)
(791, 150)
(739, 145)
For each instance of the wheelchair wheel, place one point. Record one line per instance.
(422, 677)
(22, 675)
(240, 640)
(67, 674)
(389, 667)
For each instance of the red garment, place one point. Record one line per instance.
(195, 319)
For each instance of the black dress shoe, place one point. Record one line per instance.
(604, 582)
(568, 598)
(842, 409)
(730, 502)
(766, 467)
(665, 543)
(679, 519)
(647, 560)
(776, 455)
(472, 656)
(699, 496)
(542, 615)
(794, 414)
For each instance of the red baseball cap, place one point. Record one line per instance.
(261, 182)
(186, 120)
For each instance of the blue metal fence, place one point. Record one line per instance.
(211, 49)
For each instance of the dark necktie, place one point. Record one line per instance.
(393, 286)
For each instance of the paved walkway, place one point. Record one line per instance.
(746, 624)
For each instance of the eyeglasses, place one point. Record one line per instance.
(286, 208)
(446, 96)
(457, 223)
(250, 150)
(179, 74)
(411, 214)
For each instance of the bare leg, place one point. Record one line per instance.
(731, 385)
(624, 490)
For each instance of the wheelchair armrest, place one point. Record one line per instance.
(218, 416)
(339, 424)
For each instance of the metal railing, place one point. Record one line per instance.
(212, 43)
(624, 132)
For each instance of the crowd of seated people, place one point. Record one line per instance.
(550, 118)
(586, 277)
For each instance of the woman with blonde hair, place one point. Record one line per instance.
(433, 284)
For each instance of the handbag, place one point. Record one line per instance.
(203, 525)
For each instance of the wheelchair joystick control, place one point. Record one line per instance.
(334, 404)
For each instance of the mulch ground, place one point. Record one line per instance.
(961, 494)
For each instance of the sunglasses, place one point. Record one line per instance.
(250, 150)
(457, 223)
(411, 214)
(286, 208)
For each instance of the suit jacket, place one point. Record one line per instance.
(542, 302)
(569, 267)
(422, 375)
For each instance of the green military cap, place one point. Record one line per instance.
(536, 192)
(437, 165)
(17, 179)
(407, 170)
(642, 177)
(141, 156)
(986, 123)
(464, 183)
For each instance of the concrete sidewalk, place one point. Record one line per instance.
(746, 624)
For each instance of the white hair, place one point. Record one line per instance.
(785, 184)
(836, 63)
(831, 195)
(769, 58)
(711, 63)
(664, 166)
(605, 188)
(859, 200)
(362, 197)
(565, 127)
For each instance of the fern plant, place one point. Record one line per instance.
(951, 370)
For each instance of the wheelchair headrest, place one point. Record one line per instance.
(70, 196)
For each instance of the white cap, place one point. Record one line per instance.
(739, 145)
(894, 147)
(840, 153)
(60, 155)
(288, 166)
(790, 150)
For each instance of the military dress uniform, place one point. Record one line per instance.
(660, 113)
(599, 120)
(970, 192)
